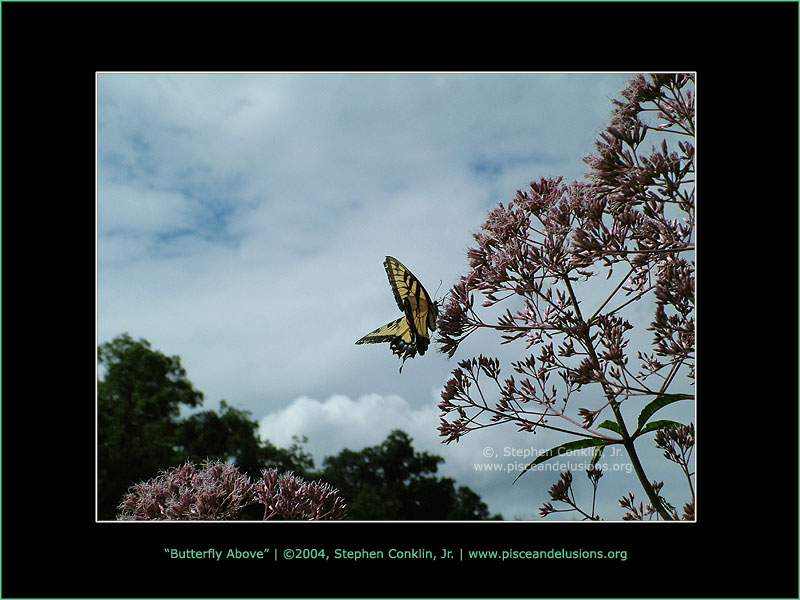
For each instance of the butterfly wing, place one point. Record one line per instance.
(398, 334)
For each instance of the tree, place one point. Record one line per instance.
(138, 402)
(232, 436)
(636, 212)
(393, 482)
(141, 434)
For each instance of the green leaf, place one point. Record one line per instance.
(562, 449)
(663, 424)
(659, 403)
(598, 452)
(612, 426)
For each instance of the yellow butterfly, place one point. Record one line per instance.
(409, 334)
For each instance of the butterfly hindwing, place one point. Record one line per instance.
(409, 334)
(397, 333)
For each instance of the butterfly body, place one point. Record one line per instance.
(408, 335)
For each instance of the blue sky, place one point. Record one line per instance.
(243, 219)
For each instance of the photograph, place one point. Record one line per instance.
(396, 296)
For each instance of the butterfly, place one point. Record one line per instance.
(409, 334)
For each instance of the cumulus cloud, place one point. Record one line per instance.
(341, 422)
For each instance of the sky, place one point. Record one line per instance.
(242, 223)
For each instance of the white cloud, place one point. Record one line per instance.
(340, 422)
(142, 211)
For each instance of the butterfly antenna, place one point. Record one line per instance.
(441, 302)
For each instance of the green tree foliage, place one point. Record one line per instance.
(138, 402)
(230, 435)
(392, 482)
(140, 432)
